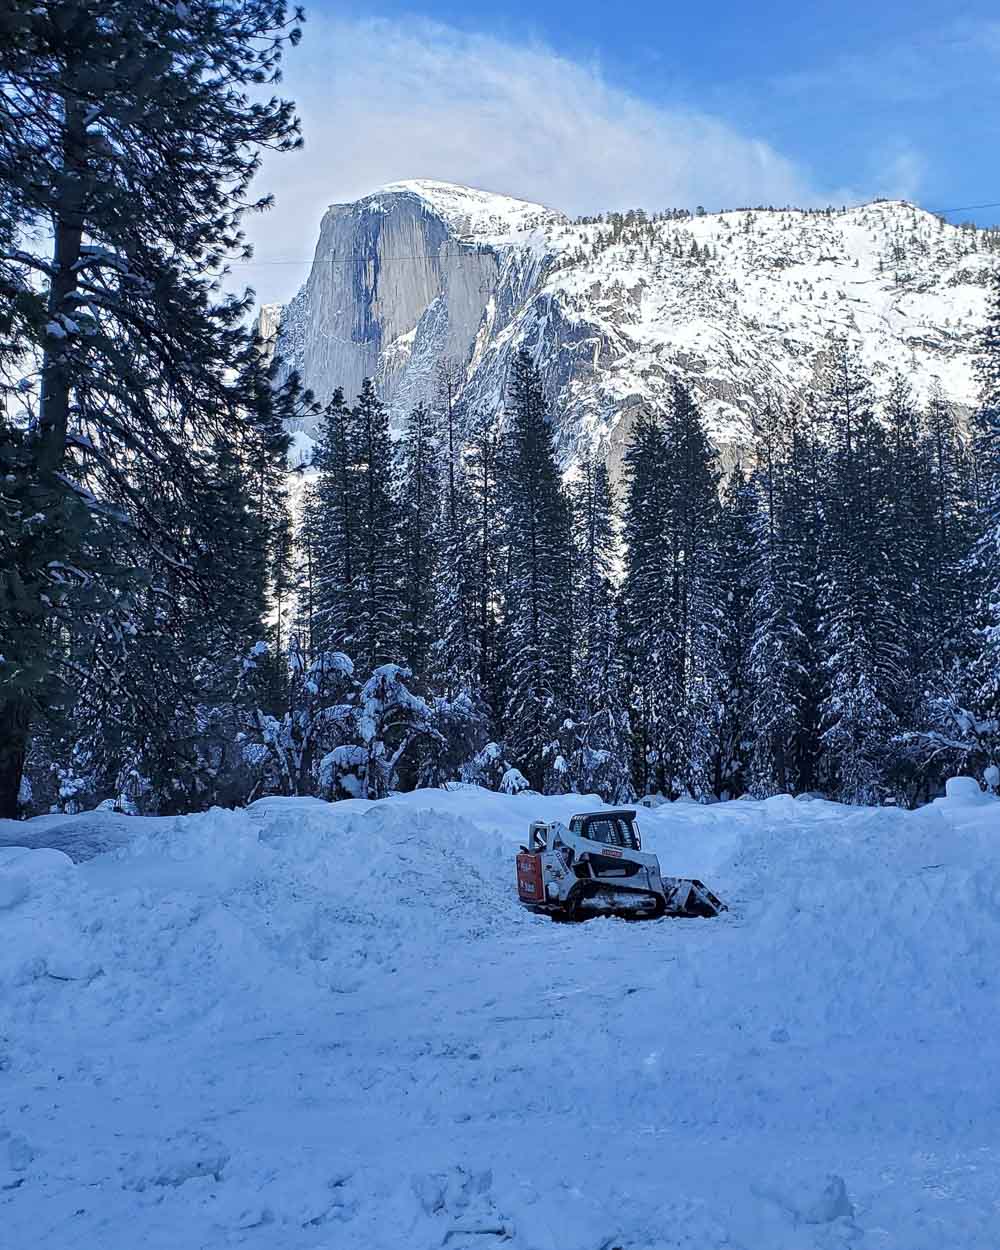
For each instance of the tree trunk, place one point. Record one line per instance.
(14, 721)
(53, 409)
(67, 226)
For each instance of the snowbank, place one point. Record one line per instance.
(314, 1025)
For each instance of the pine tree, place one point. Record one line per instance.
(599, 756)
(354, 534)
(646, 620)
(377, 580)
(156, 722)
(266, 454)
(737, 562)
(420, 490)
(911, 536)
(950, 531)
(807, 518)
(988, 546)
(864, 659)
(538, 591)
(308, 568)
(129, 131)
(333, 537)
(909, 504)
(293, 749)
(692, 541)
(453, 665)
(785, 659)
(960, 726)
(488, 566)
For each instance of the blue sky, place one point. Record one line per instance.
(588, 106)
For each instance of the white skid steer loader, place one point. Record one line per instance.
(596, 866)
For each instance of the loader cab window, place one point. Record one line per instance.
(630, 834)
(612, 830)
(602, 831)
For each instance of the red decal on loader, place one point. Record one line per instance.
(529, 877)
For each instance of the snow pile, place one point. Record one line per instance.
(313, 1025)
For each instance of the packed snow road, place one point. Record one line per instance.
(306, 1025)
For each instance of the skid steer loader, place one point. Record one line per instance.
(596, 866)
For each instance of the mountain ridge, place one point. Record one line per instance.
(738, 304)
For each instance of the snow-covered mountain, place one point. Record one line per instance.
(737, 303)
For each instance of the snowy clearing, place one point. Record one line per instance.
(313, 1025)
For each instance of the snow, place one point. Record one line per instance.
(314, 1025)
(963, 790)
(485, 216)
(301, 450)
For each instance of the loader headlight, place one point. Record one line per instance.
(552, 890)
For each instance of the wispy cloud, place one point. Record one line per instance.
(902, 170)
(928, 65)
(382, 101)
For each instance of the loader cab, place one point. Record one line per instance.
(538, 837)
(612, 828)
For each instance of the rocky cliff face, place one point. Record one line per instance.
(401, 283)
(738, 304)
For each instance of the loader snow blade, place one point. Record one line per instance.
(690, 898)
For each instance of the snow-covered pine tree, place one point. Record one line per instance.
(909, 501)
(864, 654)
(451, 754)
(266, 458)
(304, 627)
(671, 598)
(787, 676)
(695, 596)
(949, 613)
(539, 586)
(128, 132)
(453, 663)
(459, 706)
(913, 534)
(156, 719)
(488, 567)
(177, 660)
(599, 758)
(988, 547)
(287, 750)
(420, 501)
(235, 538)
(776, 637)
(646, 618)
(378, 564)
(738, 529)
(136, 686)
(807, 520)
(381, 727)
(960, 729)
(333, 530)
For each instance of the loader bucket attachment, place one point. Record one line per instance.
(686, 897)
